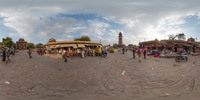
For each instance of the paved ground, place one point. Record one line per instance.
(116, 77)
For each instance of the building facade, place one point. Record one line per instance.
(170, 44)
(21, 44)
(72, 44)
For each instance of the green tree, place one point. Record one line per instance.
(181, 36)
(83, 38)
(30, 45)
(172, 37)
(39, 45)
(115, 45)
(7, 42)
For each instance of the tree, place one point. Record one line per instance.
(7, 42)
(172, 37)
(39, 45)
(83, 38)
(115, 45)
(181, 36)
(30, 45)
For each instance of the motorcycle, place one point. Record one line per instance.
(180, 58)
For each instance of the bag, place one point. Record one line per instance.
(140, 51)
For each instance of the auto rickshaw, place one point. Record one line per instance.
(111, 49)
(98, 51)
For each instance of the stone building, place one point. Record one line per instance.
(21, 44)
(191, 40)
(120, 42)
(52, 40)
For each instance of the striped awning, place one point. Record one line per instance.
(90, 45)
(69, 45)
(81, 45)
(58, 46)
(52, 46)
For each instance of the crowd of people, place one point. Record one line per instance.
(156, 52)
(70, 52)
(139, 52)
(85, 52)
(6, 53)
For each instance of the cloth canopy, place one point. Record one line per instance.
(69, 45)
(81, 45)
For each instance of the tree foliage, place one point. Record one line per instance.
(39, 45)
(181, 36)
(7, 42)
(115, 45)
(83, 38)
(30, 45)
(172, 37)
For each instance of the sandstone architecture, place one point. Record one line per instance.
(52, 40)
(120, 43)
(21, 44)
(191, 40)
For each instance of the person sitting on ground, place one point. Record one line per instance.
(156, 55)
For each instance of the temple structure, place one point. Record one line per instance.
(21, 44)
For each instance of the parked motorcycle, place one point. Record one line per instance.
(180, 58)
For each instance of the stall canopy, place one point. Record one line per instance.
(52, 46)
(81, 45)
(69, 45)
(57, 46)
(90, 45)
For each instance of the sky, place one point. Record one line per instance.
(139, 20)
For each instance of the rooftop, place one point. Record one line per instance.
(73, 42)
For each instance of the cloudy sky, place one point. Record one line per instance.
(139, 20)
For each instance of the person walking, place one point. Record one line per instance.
(145, 53)
(13, 51)
(82, 53)
(64, 54)
(134, 53)
(139, 54)
(104, 53)
(8, 56)
(4, 54)
(123, 50)
(29, 53)
(93, 52)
